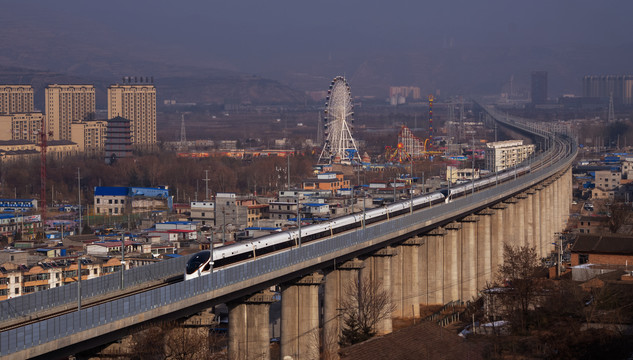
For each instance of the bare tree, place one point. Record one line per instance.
(520, 273)
(148, 343)
(186, 344)
(171, 341)
(619, 214)
(365, 304)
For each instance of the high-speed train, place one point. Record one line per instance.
(202, 264)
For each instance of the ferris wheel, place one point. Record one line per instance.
(339, 146)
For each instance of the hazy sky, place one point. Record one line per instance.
(244, 31)
(269, 37)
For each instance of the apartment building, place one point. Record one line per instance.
(607, 184)
(502, 155)
(16, 99)
(203, 211)
(89, 135)
(17, 280)
(137, 103)
(65, 104)
(21, 126)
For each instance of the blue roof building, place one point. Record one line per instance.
(118, 200)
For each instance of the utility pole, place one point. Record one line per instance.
(223, 224)
(78, 284)
(411, 188)
(394, 189)
(79, 198)
(472, 174)
(288, 171)
(206, 184)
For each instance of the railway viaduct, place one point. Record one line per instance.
(431, 256)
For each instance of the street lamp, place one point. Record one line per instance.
(79, 284)
(122, 260)
(364, 199)
(299, 219)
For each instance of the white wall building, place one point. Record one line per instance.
(501, 155)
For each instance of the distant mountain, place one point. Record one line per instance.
(462, 71)
(67, 46)
(31, 54)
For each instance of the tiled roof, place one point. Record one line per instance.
(603, 243)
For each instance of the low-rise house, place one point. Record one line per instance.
(592, 224)
(607, 183)
(282, 210)
(119, 200)
(331, 181)
(315, 210)
(256, 213)
(158, 249)
(203, 211)
(607, 249)
(110, 248)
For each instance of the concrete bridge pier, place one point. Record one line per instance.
(536, 220)
(520, 219)
(432, 267)
(300, 318)
(568, 193)
(484, 237)
(378, 270)
(557, 220)
(548, 219)
(509, 226)
(469, 257)
(452, 256)
(529, 218)
(249, 333)
(338, 282)
(498, 224)
(397, 278)
(408, 305)
(543, 214)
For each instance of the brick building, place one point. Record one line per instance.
(606, 249)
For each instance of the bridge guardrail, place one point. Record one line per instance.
(67, 294)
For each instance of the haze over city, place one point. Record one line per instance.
(458, 47)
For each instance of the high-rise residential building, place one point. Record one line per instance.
(137, 103)
(65, 104)
(412, 92)
(501, 155)
(16, 99)
(90, 135)
(539, 87)
(22, 126)
(118, 142)
(605, 86)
